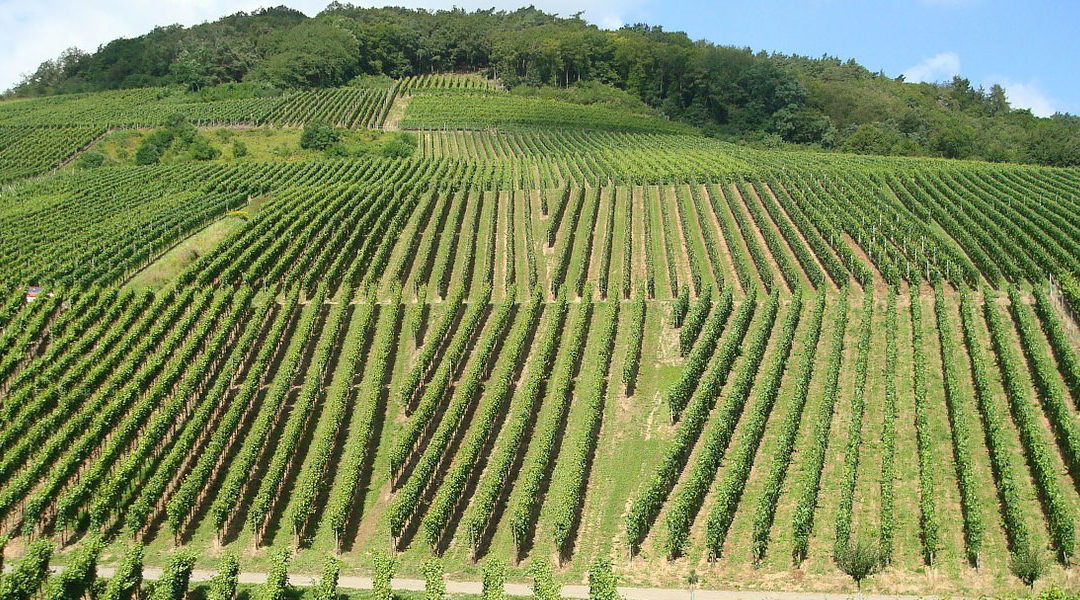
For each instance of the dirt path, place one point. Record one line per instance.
(601, 235)
(397, 111)
(685, 250)
(731, 277)
(351, 582)
(753, 236)
(880, 287)
(672, 266)
(766, 223)
(802, 235)
(639, 251)
(791, 244)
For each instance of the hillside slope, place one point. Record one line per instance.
(533, 330)
(731, 93)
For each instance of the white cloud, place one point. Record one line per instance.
(37, 31)
(610, 22)
(1027, 95)
(939, 67)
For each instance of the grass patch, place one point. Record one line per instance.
(163, 270)
(262, 144)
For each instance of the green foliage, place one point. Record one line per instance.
(126, 580)
(1028, 566)
(687, 501)
(974, 524)
(859, 560)
(147, 154)
(355, 453)
(201, 149)
(576, 457)
(311, 54)
(691, 325)
(326, 589)
(633, 343)
(928, 521)
(500, 472)
(91, 159)
(544, 586)
(239, 149)
(1066, 356)
(486, 110)
(492, 406)
(679, 393)
(997, 435)
(277, 579)
(602, 580)
(318, 136)
(173, 584)
(680, 306)
(494, 579)
(79, 575)
(585, 92)
(401, 145)
(336, 150)
(223, 586)
(1059, 515)
(741, 459)
(434, 585)
(24, 580)
(766, 98)
(384, 564)
(646, 505)
(524, 510)
(802, 521)
(372, 81)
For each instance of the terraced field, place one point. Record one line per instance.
(552, 333)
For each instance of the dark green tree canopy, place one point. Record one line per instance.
(727, 91)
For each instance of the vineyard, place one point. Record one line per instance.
(555, 332)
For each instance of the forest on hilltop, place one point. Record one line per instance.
(732, 93)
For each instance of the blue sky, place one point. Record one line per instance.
(1031, 48)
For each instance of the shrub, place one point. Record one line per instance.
(859, 561)
(125, 582)
(91, 159)
(174, 581)
(372, 81)
(176, 120)
(79, 574)
(318, 136)
(23, 581)
(201, 149)
(239, 149)
(1028, 566)
(336, 150)
(402, 145)
(147, 154)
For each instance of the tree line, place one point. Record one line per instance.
(729, 92)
